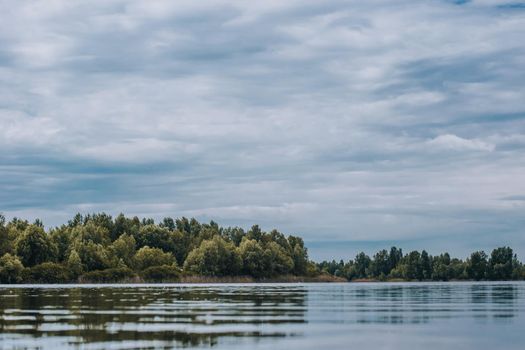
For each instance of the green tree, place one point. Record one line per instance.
(90, 232)
(214, 257)
(394, 257)
(10, 269)
(154, 236)
(426, 265)
(501, 264)
(252, 256)
(6, 238)
(122, 225)
(255, 233)
(35, 247)
(414, 269)
(380, 265)
(93, 256)
(441, 267)
(147, 257)
(234, 235)
(299, 254)
(48, 272)
(278, 259)
(362, 263)
(124, 249)
(477, 266)
(74, 264)
(62, 238)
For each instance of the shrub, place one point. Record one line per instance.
(34, 246)
(147, 257)
(48, 272)
(120, 274)
(10, 269)
(214, 257)
(163, 273)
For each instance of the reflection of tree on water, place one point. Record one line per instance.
(504, 297)
(424, 303)
(174, 316)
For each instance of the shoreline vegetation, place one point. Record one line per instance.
(97, 248)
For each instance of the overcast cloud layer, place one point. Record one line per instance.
(357, 124)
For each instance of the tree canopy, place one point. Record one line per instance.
(100, 248)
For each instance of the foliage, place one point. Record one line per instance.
(147, 257)
(93, 256)
(123, 249)
(214, 257)
(162, 273)
(34, 246)
(97, 247)
(74, 264)
(252, 256)
(10, 269)
(48, 272)
(501, 263)
(477, 266)
(113, 275)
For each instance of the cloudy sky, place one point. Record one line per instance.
(356, 124)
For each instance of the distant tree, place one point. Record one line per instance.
(62, 239)
(362, 263)
(124, 249)
(6, 238)
(278, 260)
(147, 257)
(74, 265)
(234, 235)
(214, 257)
(154, 236)
(414, 266)
(477, 266)
(252, 256)
(500, 263)
(255, 233)
(93, 256)
(394, 257)
(35, 247)
(90, 232)
(168, 223)
(299, 254)
(48, 272)
(122, 225)
(426, 265)
(441, 267)
(10, 269)
(380, 265)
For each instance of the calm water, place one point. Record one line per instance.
(273, 316)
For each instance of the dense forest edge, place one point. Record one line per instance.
(97, 248)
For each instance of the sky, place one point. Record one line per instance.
(355, 124)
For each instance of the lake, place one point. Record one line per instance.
(265, 316)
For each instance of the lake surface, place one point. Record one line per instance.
(265, 316)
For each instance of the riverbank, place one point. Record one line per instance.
(325, 278)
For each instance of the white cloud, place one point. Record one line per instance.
(319, 116)
(453, 142)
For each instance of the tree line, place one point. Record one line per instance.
(99, 248)
(502, 264)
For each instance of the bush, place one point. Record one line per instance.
(214, 257)
(147, 257)
(121, 274)
(10, 269)
(47, 272)
(164, 273)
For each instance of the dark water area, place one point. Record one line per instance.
(265, 316)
